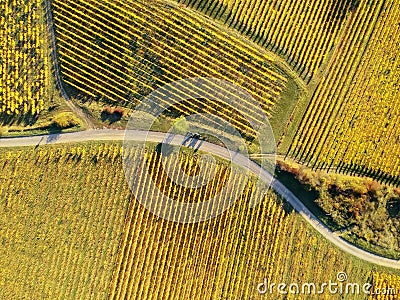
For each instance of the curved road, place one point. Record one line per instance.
(118, 135)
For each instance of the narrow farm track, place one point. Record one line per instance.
(56, 66)
(119, 135)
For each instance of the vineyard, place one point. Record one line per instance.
(304, 32)
(24, 71)
(60, 230)
(352, 122)
(120, 51)
(73, 222)
(385, 282)
(71, 230)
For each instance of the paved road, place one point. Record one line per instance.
(117, 135)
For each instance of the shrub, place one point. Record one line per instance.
(3, 131)
(112, 114)
(65, 120)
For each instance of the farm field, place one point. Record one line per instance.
(119, 52)
(384, 281)
(59, 230)
(351, 124)
(30, 102)
(24, 72)
(72, 231)
(303, 32)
